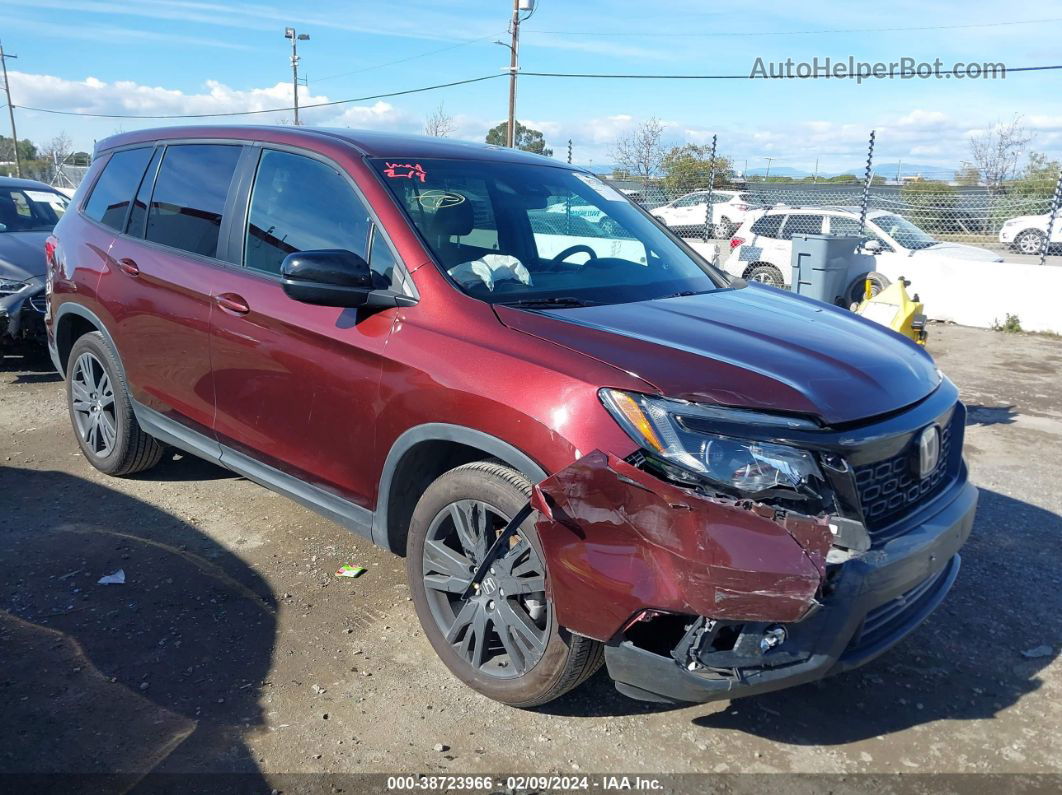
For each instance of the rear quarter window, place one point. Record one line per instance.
(113, 191)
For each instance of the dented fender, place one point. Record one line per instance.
(618, 540)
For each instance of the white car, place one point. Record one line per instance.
(687, 214)
(1026, 233)
(761, 250)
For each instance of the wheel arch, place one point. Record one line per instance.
(73, 321)
(418, 457)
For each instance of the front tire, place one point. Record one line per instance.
(503, 640)
(100, 410)
(1031, 241)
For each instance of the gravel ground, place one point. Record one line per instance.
(232, 647)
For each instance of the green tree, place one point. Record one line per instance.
(967, 175)
(527, 139)
(931, 204)
(26, 150)
(1038, 179)
(689, 167)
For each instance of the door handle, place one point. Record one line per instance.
(231, 302)
(128, 266)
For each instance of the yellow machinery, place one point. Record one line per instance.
(890, 305)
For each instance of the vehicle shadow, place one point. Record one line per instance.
(36, 368)
(180, 467)
(158, 675)
(964, 663)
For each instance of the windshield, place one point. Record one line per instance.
(523, 233)
(904, 232)
(30, 209)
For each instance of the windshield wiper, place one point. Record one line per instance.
(683, 294)
(561, 301)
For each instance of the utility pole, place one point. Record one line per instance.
(11, 111)
(899, 165)
(289, 33)
(815, 176)
(765, 176)
(514, 65)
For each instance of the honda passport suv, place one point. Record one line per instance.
(588, 443)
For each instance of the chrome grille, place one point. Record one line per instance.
(39, 303)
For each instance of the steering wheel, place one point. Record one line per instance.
(577, 248)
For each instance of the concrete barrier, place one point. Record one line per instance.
(983, 293)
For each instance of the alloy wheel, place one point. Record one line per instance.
(500, 623)
(92, 396)
(1031, 242)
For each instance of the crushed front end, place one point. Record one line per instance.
(22, 308)
(786, 553)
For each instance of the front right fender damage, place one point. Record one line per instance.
(699, 597)
(619, 540)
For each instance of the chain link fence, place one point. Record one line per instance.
(1010, 221)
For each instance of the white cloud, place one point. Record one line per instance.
(126, 97)
(924, 135)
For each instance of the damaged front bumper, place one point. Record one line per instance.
(684, 588)
(22, 317)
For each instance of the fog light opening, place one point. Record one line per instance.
(773, 637)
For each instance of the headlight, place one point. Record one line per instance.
(10, 286)
(662, 427)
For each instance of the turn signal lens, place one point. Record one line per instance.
(632, 412)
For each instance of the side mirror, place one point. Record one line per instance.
(872, 246)
(335, 277)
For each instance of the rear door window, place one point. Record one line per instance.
(768, 225)
(302, 204)
(113, 191)
(189, 198)
(802, 224)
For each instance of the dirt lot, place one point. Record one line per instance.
(232, 647)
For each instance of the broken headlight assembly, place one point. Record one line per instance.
(672, 433)
(11, 286)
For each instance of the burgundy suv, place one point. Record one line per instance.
(588, 443)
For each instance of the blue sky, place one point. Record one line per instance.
(181, 56)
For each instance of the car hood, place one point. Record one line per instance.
(960, 251)
(754, 347)
(22, 254)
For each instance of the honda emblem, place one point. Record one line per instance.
(928, 451)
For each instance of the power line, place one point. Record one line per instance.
(255, 112)
(586, 75)
(741, 34)
(749, 77)
(409, 58)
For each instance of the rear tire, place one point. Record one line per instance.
(554, 661)
(765, 274)
(102, 414)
